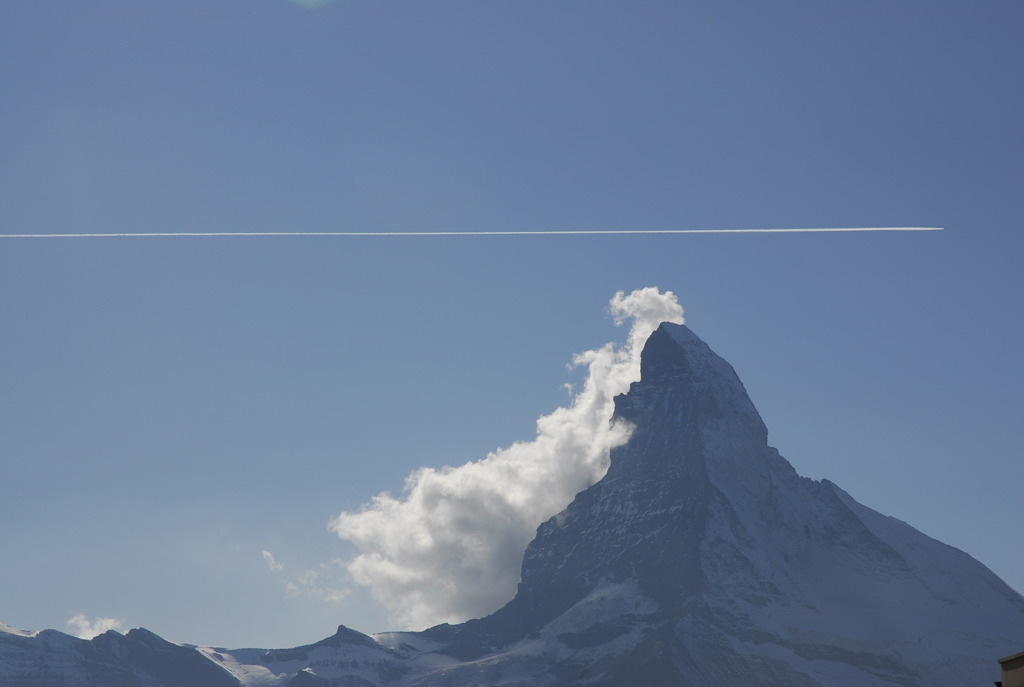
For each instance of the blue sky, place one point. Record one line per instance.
(172, 408)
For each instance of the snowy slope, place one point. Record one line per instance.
(752, 569)
(138, 659)
(701, 559)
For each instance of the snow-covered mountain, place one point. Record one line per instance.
(701, 559)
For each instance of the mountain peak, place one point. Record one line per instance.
(701, 558)
(731, 564)
(682, 377)
(696, 436)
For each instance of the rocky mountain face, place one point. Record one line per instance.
(137, 659)
(700, 559)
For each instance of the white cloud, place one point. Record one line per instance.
(80, 626)
(450, 548)
(271, 563)
(328, 581)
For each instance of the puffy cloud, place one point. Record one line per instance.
(450, 548)
(80, 626)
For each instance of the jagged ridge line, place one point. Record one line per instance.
(554, 232)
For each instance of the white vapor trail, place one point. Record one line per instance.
(553, 232)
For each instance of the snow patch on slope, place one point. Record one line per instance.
(15, 631)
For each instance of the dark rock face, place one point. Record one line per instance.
(700, 559)
(744, 568)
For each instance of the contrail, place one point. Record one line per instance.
(539, 232)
